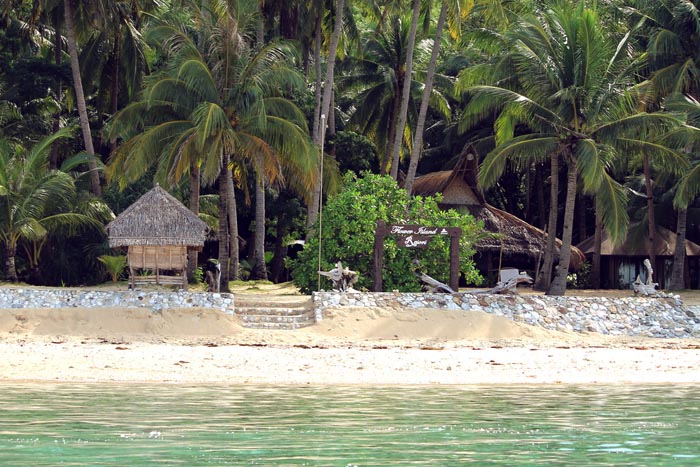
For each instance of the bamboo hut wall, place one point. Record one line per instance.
(165, 257)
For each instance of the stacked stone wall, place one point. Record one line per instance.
(633, 316)
(11, 297)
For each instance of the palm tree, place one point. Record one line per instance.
(573, 101)
(68, 9)
(375, 81)
(218, 107)
(673, 46)
(35, 200)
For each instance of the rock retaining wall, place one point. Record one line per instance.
(66, 298)
(633, 316)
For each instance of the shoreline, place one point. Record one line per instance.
(351, 346)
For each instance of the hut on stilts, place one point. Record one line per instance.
(158, 231)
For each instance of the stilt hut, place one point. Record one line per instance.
(158, 230)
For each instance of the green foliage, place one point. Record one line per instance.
(348, 224)
(114, 265)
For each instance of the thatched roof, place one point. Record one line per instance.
(157, 218)
(459, 189)
(638, 245)
(517, 236)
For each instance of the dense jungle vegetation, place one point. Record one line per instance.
(583, 114)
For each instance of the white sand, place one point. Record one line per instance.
(352, 346)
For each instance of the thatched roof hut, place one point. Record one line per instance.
(621, 263)
(158, 230)
(517, 241)
(157, 218)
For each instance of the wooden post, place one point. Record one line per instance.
(454, 260)
(378, 255)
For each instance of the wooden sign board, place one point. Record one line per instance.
(415, 236)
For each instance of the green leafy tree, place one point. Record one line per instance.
(114, 264)
(349, 222)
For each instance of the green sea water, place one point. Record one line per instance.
(171, 425)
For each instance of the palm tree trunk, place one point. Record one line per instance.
(114, 92)
(193, 255)
(325, 104)
(58, 42)
(10, 269)
(259, 269)
(222, 232)
(234, 250)
(406, 93)
(650, 211)
(425, 101)
(80, 97)
(545, 277)
(597, 246)
(558, 286)
(678, 271)
(395, 107)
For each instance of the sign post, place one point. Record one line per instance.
(414, 236)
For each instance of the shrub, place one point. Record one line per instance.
(114, 265)
(349, 221)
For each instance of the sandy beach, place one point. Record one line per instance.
(352, 346)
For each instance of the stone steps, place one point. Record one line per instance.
(263, 312)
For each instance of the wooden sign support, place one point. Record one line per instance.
(414, 236)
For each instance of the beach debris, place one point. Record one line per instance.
(648, 288)
(509, 285)
(343, 278)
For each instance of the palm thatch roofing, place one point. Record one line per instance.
(157, 218)
(637, 244)
(514, 236)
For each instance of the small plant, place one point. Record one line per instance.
(198, 275)
(114, 265)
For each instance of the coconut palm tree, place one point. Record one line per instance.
(35, 200)
(573, 100)
(672, 32)
(218, 105)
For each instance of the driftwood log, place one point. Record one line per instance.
(343, 278)
(434, 285)
(509, 286)
(648, 288)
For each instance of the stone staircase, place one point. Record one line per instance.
(274, 312)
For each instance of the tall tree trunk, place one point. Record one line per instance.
(597, 246)
(545, 277)
(193, 255)
(385, 164)
(425, 101)
(677, 273)
(406, 93)
(114, 92)
(325, 106)
(280, 251)
(259, 268)
(10, 269)
(223, 231)
(234, 249)
(650, 211)
(58, 44)
(541, 207)
(80, 97)
(558, 286)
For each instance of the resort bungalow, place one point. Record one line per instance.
(158, 231)
(620, 264)
(516, 244)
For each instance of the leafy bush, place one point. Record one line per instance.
(349, 221)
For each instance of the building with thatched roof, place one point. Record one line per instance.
(515, 244)
(157, 230)
(621, 264)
